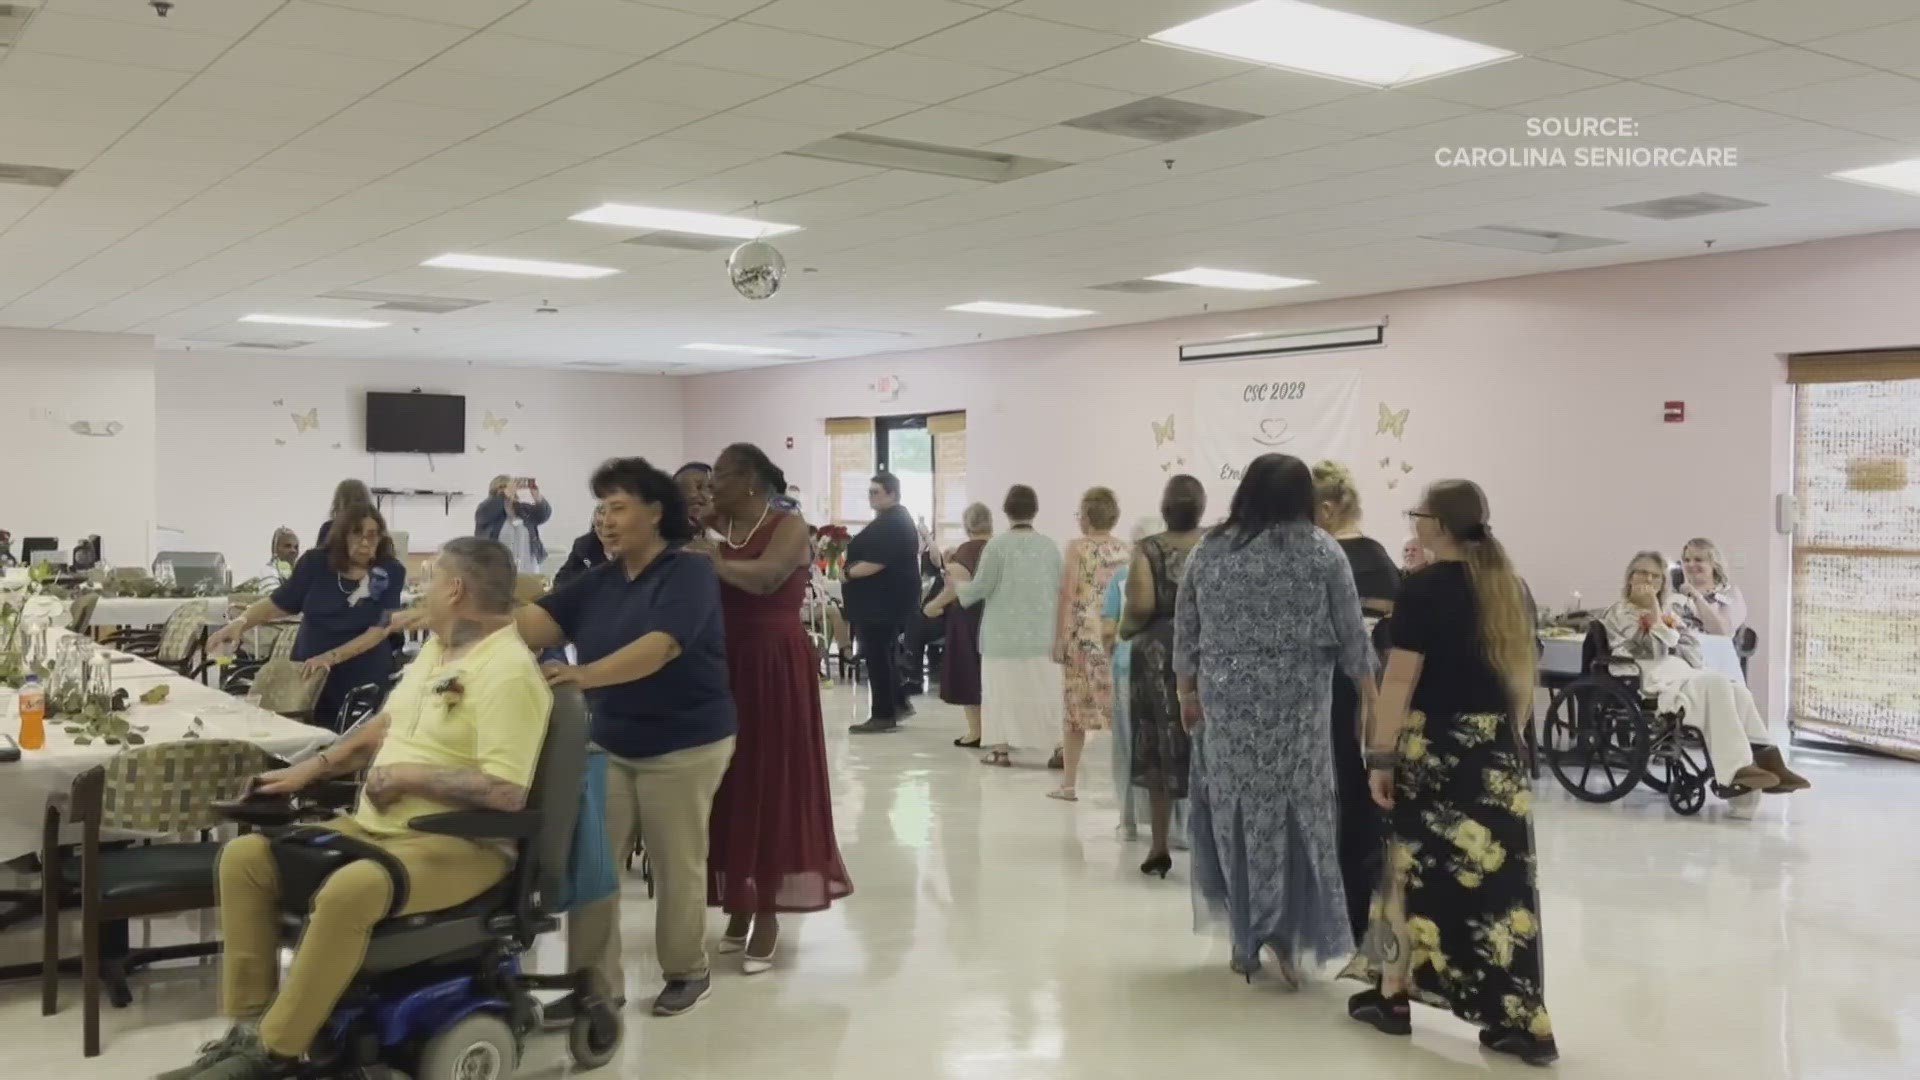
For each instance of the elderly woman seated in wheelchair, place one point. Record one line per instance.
(1703, 730)
(411, 913)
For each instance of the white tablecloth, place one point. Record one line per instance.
(27, 784)
(1562, 656)
(137, 612)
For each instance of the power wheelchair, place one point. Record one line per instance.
(441, 995)
(1605, 735)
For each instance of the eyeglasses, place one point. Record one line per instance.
(1416, 515)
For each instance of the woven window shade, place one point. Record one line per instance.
(850, 440)
(1856, 564)
(949, 476)
(1842, 367)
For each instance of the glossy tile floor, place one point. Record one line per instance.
(997, 934)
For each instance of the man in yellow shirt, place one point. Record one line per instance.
(462, 731)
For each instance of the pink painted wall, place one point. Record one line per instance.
(1546, 389)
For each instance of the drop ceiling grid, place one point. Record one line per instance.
(350, 95)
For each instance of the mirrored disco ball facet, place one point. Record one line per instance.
(756, 269)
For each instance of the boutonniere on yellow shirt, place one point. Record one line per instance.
(450, 690)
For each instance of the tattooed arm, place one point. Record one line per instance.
(468, 788)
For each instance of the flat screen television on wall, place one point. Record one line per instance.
(416, 423)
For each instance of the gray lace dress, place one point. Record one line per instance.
(1262, 627)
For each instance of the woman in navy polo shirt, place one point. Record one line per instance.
(344, 593)
(646, 625)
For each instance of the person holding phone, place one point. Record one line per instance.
(505, 517)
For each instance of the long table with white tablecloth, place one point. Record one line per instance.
(46, 773)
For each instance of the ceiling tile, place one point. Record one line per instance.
(1017, 44)
(355, 33)
(1379, 111)
(735, 129)
(1132, 18)
(725, 9)
(251, 62)
(55, 144)
(612, 25)
(262, 99)
(1634, 99)
(604, 110)
(1530, 26)
(1658, 48)
(1270, 92)
(1146, 69)
(494, 53)
(764, 51)
(820, 107)
(1763, 72)
(1835, 101)
(688, 84)
(220, 18)
(1042, 99)
(1510, 83)
(892, 23)
(470, 13)
(1895, 47)
(1065, 144)
(913, 78)
(118, 42)
(1415, 12)
(951, 127)
(433, 85)
(1797, 21)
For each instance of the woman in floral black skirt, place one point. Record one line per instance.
(1456, 923)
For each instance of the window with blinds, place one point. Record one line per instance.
(949, 477)
(1856, 550)
(851, 452)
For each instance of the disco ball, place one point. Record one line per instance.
(756, 269)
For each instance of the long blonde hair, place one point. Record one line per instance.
(1506, 635)
(1711, 551)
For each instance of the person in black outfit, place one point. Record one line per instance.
(347, 493)
(882, 588)
(1337, 510)
(586, 554)
(921, 630)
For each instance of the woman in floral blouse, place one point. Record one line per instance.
(1092, 559)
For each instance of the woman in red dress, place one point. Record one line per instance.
(772, 844)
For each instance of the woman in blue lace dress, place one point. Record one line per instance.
(1266, 612)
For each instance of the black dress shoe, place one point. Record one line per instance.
(1058, 760)
(875, 727)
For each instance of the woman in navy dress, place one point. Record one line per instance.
(344, 593)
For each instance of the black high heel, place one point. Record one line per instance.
(1157, 864)
(965, 743)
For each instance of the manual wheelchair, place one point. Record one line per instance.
(441, 995)
(1605, 735)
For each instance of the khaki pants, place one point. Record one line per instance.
(667, 799)
(442, 872)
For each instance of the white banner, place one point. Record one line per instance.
(1237, 420)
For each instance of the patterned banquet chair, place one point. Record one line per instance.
(166, 789)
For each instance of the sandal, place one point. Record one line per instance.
(965, 743)
(998, 759)
(1064, 794)
(1524, 1045)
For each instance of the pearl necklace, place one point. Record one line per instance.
(764, 511)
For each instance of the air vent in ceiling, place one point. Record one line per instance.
(277, 346)
(419, 305)
(1140, 285)
(33, 175)
(884, 153)
(1161, 119)
(1513, 238)
(683, 241)
(13, 20)
(1685, 206)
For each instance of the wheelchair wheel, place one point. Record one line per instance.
(594, 1037)
(1596, 740)
(1687, 795)
(479, 1047)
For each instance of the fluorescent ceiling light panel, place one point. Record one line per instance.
(1231, 279)
(314, 320)
(1334, 44)
(743, 350)
(489, 264)
(683, 221)
(1901, 176)
(1024, 311)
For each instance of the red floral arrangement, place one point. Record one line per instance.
(830, 549)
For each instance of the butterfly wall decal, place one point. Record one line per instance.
(279, 403)
(336, 446)
(1393, 483)
(279, 442)
(495, 424)
(1392, 422)
(479, 448)
(308, 421)
(517, 447)
(518, 405)
(1385, 461)
(1162, 433)
(1406, 467)
(105, 430)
